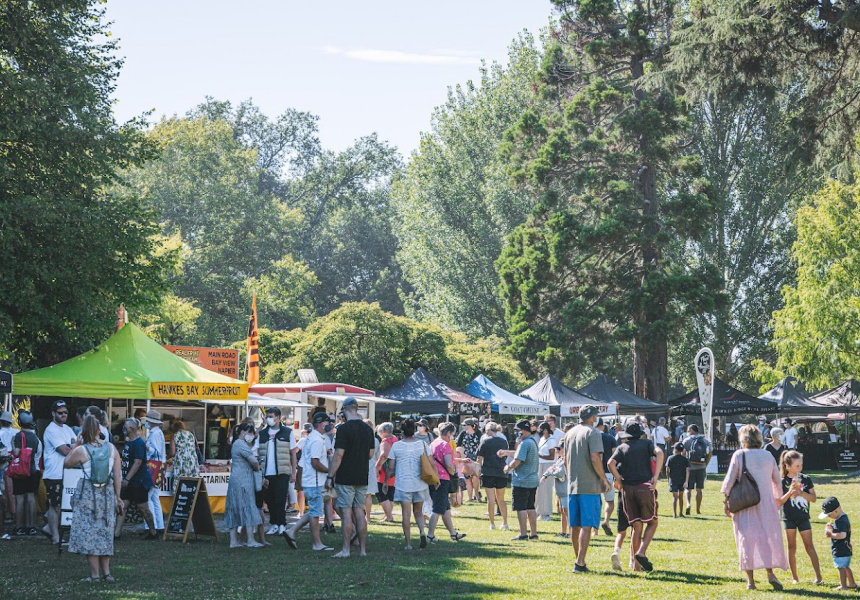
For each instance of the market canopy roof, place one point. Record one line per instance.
(502, 401)
(841, 399)
(727, 401)
(426, 393)
(789, 394)
(606, 392)
(552, 392)
(130, 365)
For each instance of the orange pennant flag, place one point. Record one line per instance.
(253, 354)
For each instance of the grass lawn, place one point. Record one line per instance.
(693, 558)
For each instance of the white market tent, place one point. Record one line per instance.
(502, 401)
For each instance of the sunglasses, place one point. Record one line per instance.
(62, 412)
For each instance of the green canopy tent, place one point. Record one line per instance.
(130, 365)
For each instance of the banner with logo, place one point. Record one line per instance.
(705, 378)
(199, 391)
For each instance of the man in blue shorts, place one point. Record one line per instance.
(583, 460)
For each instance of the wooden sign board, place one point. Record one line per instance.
(190, 507)
(219, 360)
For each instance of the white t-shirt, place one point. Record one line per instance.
(315, 447)
(6, 435)
(660, 435)
(789, 438)
(544, 447)
(271, 461)
(56, 436)
(407, 469)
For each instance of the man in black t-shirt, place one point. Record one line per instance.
(354, 447)
(636, 477)
(609, 445)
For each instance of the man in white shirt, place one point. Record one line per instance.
(661, 433)
(789, 436)
(59, 440)
(314, 472)
(155, 450)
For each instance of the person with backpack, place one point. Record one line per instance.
(96, 501)
(698, 449)
(25, 486)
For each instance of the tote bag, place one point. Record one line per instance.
(23, 465)
(429, 474)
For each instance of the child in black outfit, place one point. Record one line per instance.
(839, 532)
(678, 468)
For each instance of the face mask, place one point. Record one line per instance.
(327, 428)
(146, 425)
(270, 421)
(249, 438)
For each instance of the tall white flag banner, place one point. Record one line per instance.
(705, 377)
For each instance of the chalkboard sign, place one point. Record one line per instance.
(847, 460)
(190, 506)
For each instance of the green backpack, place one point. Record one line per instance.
(99, 464)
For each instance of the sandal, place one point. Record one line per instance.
(775, 584)
(431, 539)
(90, 579)
(109, 578)
(456, 537)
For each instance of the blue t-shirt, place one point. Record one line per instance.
(841, 547)
(526, 475)
(136, 450)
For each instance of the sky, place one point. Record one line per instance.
(362, 67)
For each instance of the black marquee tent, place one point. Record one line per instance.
(427, 394)
(604, 391)
(841, 399)
(789, 394)
(727, 401)
(560, 399)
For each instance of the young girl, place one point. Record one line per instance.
(558, 473)
(798, 493)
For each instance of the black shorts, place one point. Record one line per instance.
(697, 479)
(523, 498)
(439, 496)
(386, 496)
(493, 482)
(54, 492)
(676, 486)
(803, 525)
(134, 494)
(623, 523)
(25, 485)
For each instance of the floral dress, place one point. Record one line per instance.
(185, 459)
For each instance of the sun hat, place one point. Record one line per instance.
(153, 416)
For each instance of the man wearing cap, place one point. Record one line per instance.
(525, 480)
(155, 450)
(314, 472)
(277, 455)
(634, 478)
(59, 439)
(583, 460)
(7, 433)
(354, 446)
(764, 427)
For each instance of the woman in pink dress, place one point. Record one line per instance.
(758, 535)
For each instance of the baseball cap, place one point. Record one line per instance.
(349, 402)
(524, 424)
(588, 411)
(25, 418)
(762, 418)
(320, 417)
(58, 404)
(634, 430)
(831, 504)
(679, 447)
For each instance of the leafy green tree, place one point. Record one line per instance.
(598, 268)
(454, 203)
(72, 248)
(815, 334)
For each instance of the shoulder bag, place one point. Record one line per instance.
(429, 474)
(744, 493)
(22, 466)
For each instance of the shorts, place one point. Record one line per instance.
(439, 496)
(697, 479)
(583, 510)
(610, 495)
(841, 562)
(802, 525)
(350, 496)
(25, 485)
(313, 496)
(134, 494)
(54, 492)
(623, 523)
(493, 482)
(384, 496)
(461, 481)
(676, 486)
(523, 498)
(640, 503)
(422, 495)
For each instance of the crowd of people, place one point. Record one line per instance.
(587, 472)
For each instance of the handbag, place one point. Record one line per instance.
(22, 466)
(429, 474)
(744, 494)
(156, 471)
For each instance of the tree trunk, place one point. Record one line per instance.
(650, 368)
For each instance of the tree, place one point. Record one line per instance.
(454, 203)
(72, 246)
(815, 333)
(598, 267)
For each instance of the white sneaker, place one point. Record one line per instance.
(616, 561)
(505, 527)
(281, 529)
(273, 530)
(492, 527)
(545, 518)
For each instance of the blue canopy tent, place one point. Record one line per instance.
(502, 401)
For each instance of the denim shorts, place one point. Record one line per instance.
(841, 562)
(313, 496)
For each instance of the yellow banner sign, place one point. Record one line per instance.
(199, 391)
